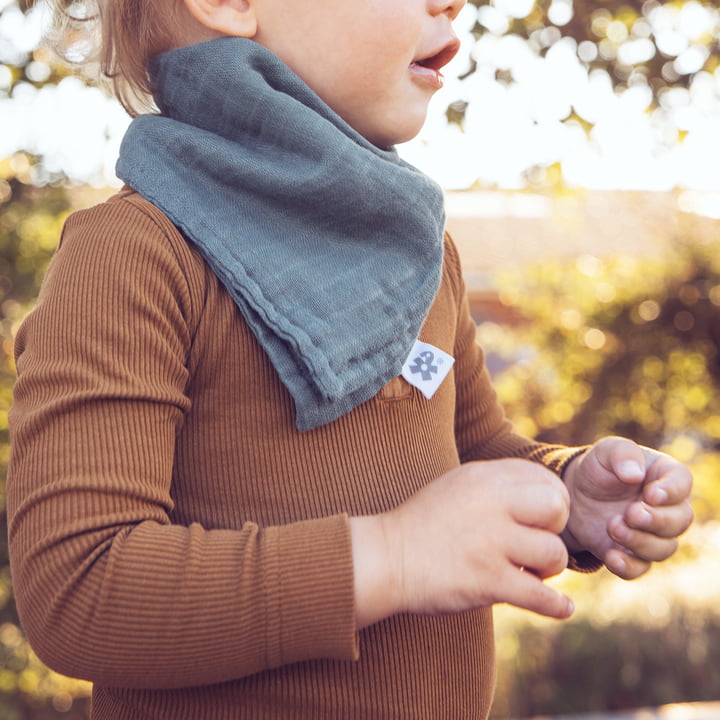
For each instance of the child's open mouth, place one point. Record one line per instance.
(428, 68)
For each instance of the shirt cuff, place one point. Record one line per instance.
(310, 591)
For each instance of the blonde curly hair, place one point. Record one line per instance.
(118, 37)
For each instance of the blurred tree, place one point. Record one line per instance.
(660, 46)
(23, 59)
(584, 666)
(666, 42)
(621, 345)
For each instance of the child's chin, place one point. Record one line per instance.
(402, 135)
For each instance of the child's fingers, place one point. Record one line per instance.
(668, 522)
(624, 458)
(624, 565)
(673, 484)
(525, 590)
(540, 552)
(542, 505)
(643, 545)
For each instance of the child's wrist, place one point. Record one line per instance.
(377, 589)
(571, 542)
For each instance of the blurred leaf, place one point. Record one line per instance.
(656, 44)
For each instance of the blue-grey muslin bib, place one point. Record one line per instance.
(330, 246)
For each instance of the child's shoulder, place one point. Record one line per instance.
(124, 215)
(125, 247)
(127, 225)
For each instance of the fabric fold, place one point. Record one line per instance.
(330, 247)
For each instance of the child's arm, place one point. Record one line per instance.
(470, 537)
(110, 586)
(628, 505)
(598, 527)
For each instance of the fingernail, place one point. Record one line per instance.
(644, 517)
(658, 496)
(622, 533)
(571, 607)
(631, 468)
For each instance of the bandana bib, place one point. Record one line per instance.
(330, 247)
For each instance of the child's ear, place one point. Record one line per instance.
(227, 17)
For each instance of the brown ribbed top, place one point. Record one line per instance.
(178, 542)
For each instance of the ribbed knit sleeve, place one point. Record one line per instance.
(483, 431)
(107, 587)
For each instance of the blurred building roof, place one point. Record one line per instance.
(494, 229)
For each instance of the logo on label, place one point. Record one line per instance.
(426, 367)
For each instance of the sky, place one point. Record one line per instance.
(507, 131)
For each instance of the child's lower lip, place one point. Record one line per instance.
(427, 75)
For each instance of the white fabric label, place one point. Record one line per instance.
(426, 367)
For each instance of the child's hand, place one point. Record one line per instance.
(481, 534)
(628, 505)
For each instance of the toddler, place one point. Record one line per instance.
(258, 468)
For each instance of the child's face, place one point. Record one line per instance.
(374, 62)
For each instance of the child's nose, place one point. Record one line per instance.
(451, 7)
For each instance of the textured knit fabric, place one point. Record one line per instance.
(330, 246)
(175, 539)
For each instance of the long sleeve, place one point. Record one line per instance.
(482, 429)
(108, 587)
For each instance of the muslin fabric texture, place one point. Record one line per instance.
(330, 246)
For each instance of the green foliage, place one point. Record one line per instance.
(618, 345)
(583, 668)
